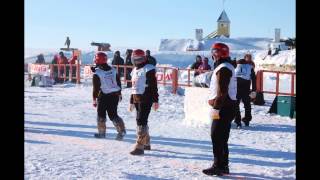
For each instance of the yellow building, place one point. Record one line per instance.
(223, 25)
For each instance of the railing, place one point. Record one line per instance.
(260, 87)
(165, 76)
(61, 72)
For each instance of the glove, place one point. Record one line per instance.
(131, 106)
(94, 103)
(214, 114)
(253, 95)
(93, 69)
(120, 98)
(155, 106)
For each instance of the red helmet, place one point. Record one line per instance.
(138, 56)
(100, 58)
(221, 47)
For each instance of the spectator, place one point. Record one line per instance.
(72, 61)
(128, 63)
(40, 59)
(150, 59)
(62, 60)
(204, 66)
(196, 65)
(55, 68)
(118, 60)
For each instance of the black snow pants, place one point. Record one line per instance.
(143, 111)
(243, 91)
(220, 131)
(109, 103)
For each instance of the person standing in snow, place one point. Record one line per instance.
(55, 68)
(196, 65)
(106, 95)
(222, 98)
(150, 59)
(144, 96)
(245, 75)
(117, 60)
(62, 60)
(128, 63)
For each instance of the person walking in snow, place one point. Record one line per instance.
(144, 96)
(222, 98)
(106, 96)
(245, 75)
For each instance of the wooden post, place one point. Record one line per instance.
(164, 76)
(189, 77)
(261, 81)
(59, 66)
(277, 84)
(125, 74)
(65, 72)
(78, 73)
(292, 84)
(174, 81)
(70, 72)
(51, 71)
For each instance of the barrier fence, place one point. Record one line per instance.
(260, 82)
(176, 77)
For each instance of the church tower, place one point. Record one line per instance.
(223, 25)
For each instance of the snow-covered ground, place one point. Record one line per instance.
(60, 122)
(59, 144)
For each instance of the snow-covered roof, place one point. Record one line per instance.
(223, 17)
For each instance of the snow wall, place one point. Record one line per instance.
(196, 107)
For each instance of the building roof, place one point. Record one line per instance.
(223, 17)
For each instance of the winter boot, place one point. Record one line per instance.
(239, 126)
(142, 132)
(101, 128)
(119, 125)
(237, 120)
(147, 146)
(213, 171)
(246, 120)
(137, 152)
(97, 135)
(225, 170)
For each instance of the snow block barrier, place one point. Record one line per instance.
(196, 107)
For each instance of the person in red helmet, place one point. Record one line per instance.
(106, 95)
(222, 98)
(144, 96)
